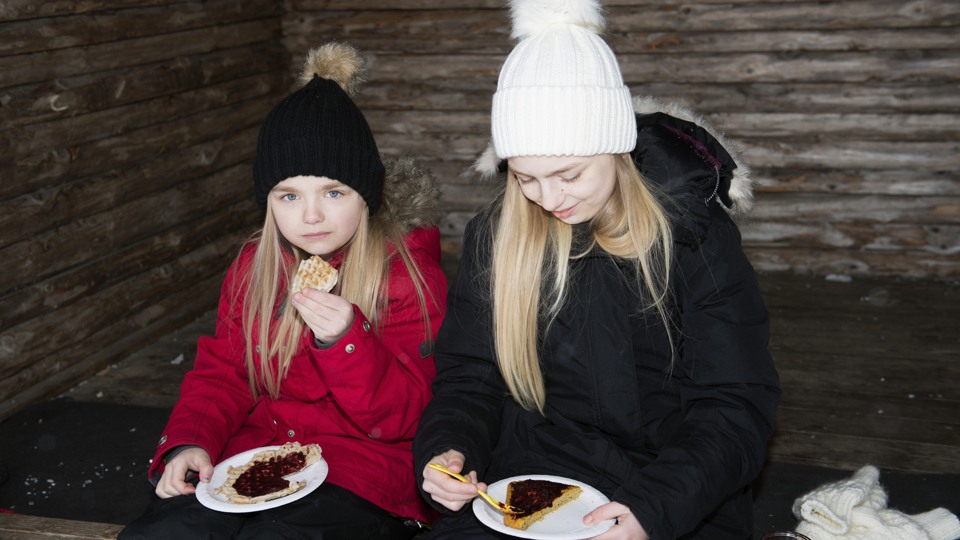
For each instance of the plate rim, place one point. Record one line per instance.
(587, 532)
(206, 497)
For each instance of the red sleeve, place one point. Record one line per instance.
(214, 396)
(382, 383)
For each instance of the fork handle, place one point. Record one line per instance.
(482, 493)
(444, 470)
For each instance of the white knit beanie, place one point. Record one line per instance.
(560, 91)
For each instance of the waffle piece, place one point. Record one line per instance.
(314, 273)
(262, 477)
(536, 498)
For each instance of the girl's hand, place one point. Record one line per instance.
(448, 491)
(627, 527)
(328, 315)
(173, 482)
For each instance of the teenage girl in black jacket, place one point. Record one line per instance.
(605, 325)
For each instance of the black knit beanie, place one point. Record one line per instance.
(319, 131)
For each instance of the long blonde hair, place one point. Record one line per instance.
(529, 243)
(364, 281)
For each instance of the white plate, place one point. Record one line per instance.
(563, 524)
(314, 475)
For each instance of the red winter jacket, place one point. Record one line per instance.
(361, 407)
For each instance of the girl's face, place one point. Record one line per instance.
(573, 189)
(316, 214)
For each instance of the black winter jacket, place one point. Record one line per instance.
(679, 446)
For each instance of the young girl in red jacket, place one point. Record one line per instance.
(349, 370)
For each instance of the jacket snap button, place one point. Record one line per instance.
(162, 440)
(366, 326)
(258, 349)
(290, 433)
(350, 348)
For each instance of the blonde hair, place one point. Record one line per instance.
(529, 243)
(364, 281)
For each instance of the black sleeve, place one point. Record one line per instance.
(464, 414)
(728, 387)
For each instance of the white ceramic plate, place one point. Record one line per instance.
(563, 524)
(314, 475)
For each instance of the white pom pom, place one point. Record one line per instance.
(531, 17)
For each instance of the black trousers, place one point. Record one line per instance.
(329, 513)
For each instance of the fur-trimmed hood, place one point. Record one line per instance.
(740, 191)
(741, 184)
(411, 193)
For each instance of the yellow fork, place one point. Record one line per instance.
(505, 508)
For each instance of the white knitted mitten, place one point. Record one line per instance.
(870, 524)
(830, 506)
(940, 524)
(856, 509)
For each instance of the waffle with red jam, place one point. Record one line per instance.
(536, 498)
(262, 477)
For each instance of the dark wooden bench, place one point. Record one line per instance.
(25, 527)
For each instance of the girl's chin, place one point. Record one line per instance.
(315, 248)
(572, 220)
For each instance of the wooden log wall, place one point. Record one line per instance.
(127, 130)
(847, 111)
(127, 133)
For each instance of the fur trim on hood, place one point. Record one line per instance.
(741, 185)
(411, 193)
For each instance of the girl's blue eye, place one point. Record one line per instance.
(288, 197)
(335, 194)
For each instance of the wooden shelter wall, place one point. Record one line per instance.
(127, 129)
(127, 133)
(847, 112)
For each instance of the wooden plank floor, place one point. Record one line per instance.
(870, 370)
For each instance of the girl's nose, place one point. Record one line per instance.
(313, 213)
(551, 196)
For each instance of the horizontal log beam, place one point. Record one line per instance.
(73, 284)
(456, 96)
(136, 147)
(755, 125)
(904, 264)
(56, 206)
(34, 139)
(637, 17)
(70, 97)
(46, 254)
(76, 61)
(133, 23)
(730, 68)
(29, 355)
(117, 340)
(18, 10)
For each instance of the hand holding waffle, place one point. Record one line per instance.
(329, 316)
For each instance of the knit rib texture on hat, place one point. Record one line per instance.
(560, 91)
(319, 131)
